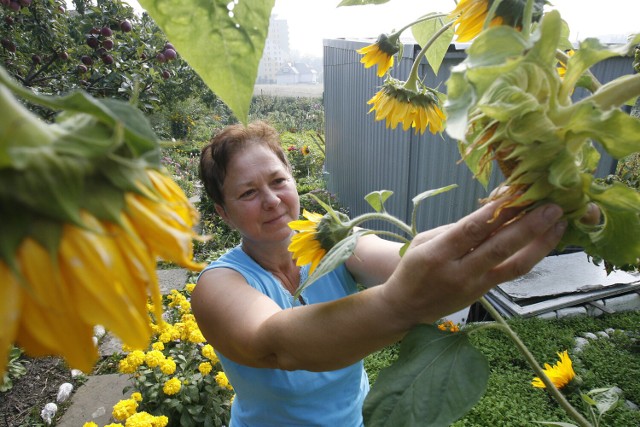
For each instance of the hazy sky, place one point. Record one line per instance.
(311, 21)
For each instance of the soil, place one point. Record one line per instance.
(21, 405)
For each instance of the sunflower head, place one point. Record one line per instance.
(316, 236)
(560, 374)
(396, 104)
(381, 53)
(470, 15)
(562, 65)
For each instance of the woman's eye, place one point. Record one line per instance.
(280, 180)
(247, 194)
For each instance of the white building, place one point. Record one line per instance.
(276, 51)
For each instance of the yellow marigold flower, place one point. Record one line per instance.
(158, 345)
(114, 425)
(140, 419)
(396, 104)
(470, 15)
(305, 150)
(172, 386)
(160, 421)
(208, 352)
(124, 409)
(154, 358)
(449, 326)
(136, 358)
(196, 337)
(205, 368)
(190, 287)
(137, 396)
(380, 53)
(560, 374)
(124, 367)
(222, 381)
(168, 366)
(90, 424)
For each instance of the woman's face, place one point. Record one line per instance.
(260, 196)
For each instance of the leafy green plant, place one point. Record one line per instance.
(179, 376)
(15, 369)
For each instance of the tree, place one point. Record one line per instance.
(101, 47)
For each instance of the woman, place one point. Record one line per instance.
(299, 362)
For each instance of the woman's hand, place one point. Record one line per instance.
(448, 268)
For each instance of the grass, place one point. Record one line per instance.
(510, 400)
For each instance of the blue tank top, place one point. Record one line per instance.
(277, 398)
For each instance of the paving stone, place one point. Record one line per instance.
(171, 279)
(94, 400)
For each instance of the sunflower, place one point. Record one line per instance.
(471, 15)
(560, 374)
(396, 104)
(562, 65)
(380, 53)
(305, 245)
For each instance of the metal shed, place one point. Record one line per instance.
(363, 156)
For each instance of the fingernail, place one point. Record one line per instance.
(552, 213)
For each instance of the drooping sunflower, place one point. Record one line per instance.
(560, 374)
(381, 53)
(396, 104)
(86, 215)
(470, 15)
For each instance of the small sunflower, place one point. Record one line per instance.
(562, 66)
(380, 53)
(305, 246)
(470, 15)
(305, 150)
(317, 235)
(396, 104)
(560, 374)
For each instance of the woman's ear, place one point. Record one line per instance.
(223, 214)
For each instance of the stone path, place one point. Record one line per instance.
(94, 400)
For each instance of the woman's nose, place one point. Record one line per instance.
(270, 199)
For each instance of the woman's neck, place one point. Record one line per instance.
(277, 260)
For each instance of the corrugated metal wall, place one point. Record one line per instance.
(363, 156)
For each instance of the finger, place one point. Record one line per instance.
(469, 233)
(592, 216)
(525, 259)
(530, 231)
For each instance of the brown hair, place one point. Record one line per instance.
(216, 155)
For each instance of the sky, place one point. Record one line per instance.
(311, 21)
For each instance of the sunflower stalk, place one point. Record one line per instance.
(553, 390)
(381, 216)
(412, 80)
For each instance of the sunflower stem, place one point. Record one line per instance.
(553, 390)
(615, 93)
(391, 234)
(412, 81)
(527, 18)
(383, 216)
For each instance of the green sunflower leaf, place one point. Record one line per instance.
(437, 378)
(222, 45)
(376, 199)
(424, 31)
